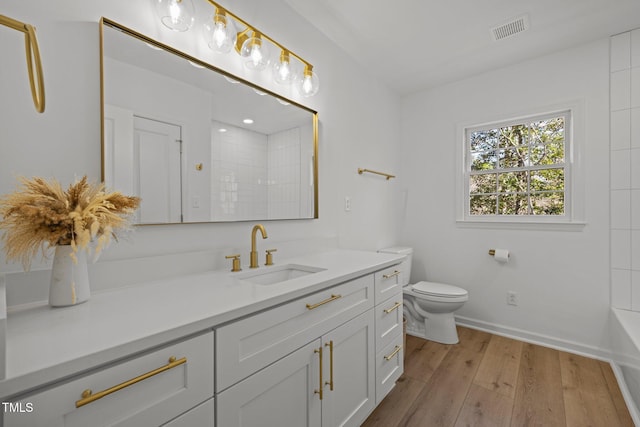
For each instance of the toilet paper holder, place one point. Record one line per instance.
(501, 255)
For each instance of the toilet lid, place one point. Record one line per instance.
(438, 289)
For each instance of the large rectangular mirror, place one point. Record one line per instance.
(175, 134)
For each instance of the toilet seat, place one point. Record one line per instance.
(440, 290)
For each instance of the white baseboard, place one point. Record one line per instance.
(534, 338)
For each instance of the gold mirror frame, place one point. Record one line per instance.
(195, 61)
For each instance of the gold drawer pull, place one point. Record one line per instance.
(389, 357)
(88, 396)
(330, 382)
(389, 276)
(321, 385)
(395, 307)
(316, 305)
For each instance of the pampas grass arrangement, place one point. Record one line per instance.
(41, 214)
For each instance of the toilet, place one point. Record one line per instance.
(429, 306)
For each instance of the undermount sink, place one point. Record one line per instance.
(277, 274)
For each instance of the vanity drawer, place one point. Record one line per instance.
(389, 282)
(163, 391)
(388, 320)
(389, 367)
(250, 344)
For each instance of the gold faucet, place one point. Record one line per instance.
(254, 253)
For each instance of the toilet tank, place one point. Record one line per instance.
(406, 264)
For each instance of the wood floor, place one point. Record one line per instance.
(489, 380)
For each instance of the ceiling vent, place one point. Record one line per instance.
(511, 28)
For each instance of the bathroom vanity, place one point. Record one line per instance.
(310, 341)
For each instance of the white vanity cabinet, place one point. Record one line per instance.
(324, 382)
(389, 336)
(151, 390)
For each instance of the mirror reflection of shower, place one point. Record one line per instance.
(253, 171)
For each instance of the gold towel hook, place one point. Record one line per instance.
(34, 63)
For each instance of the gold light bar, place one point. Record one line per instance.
(33, 55)
(242, 35)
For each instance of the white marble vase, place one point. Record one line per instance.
(69, 278)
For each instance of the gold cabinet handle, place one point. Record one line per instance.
(393, 353)
(318, 304)
(389, 276)
(330, 382)
(319, 391)
(88, 396)
(395, 307)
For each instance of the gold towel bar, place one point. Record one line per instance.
(88, 396)
(33, 56)
(389, 176)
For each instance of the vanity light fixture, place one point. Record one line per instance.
(177, 15)
(221, 35)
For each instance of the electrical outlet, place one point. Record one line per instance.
(347, 203)
(512, 298)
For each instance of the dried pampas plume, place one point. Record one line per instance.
(41, 214)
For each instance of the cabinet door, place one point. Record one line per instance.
(349, 372)
(281, 395)
(200, 416)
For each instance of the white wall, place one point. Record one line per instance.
(359, 120)
(561, 277)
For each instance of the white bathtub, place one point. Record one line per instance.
(625, 343)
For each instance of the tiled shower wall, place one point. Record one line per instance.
(257, 176)
(625, 170)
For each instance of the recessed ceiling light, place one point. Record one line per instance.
(247, 121)
(222, 130)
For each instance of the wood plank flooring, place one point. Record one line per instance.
(489, 380)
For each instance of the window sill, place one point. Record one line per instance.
(522, 225)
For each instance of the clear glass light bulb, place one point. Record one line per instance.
(219, 32)
(177, 15)
(255, 52)
(256, 55)
(284, 71)
(309, 83)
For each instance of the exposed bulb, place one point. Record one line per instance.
(220, 32)
(255, 52)
(309, 84)
(177, 15)
(282, 70)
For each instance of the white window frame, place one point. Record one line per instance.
(573, 217)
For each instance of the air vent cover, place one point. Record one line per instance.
(511, 28)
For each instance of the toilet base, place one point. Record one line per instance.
(441, 327)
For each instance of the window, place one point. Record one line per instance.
(519, 169)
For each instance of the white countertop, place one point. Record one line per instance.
(47, 344)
